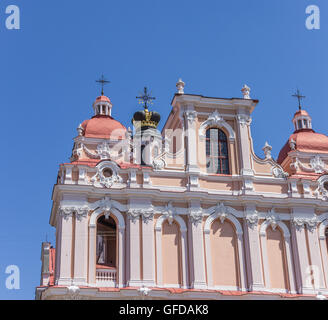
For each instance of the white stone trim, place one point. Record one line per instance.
(184, 249)
(215, 120)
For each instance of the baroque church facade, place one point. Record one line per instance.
(189, 212)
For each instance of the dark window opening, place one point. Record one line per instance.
(106, 242)
(217, 160)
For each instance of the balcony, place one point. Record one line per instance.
(105, 276)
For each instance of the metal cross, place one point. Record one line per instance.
(146, 98)
(103, 82)
(299, 98)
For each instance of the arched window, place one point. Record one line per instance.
(217, 160)
(106, 242)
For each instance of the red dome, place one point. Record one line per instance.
(301, 113)
(103, 127)
(306, 141)
(102, 98)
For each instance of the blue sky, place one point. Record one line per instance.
(49, 67)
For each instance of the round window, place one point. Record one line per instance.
(107, 172)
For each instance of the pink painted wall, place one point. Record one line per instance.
(171, 250)
(224, 254)
(276, 259)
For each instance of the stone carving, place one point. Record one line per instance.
(273, 219)
(169, 212)
(246, 92)
(195, 215)
(146, 214)
(102, 152)
(267, 150)
(252, 219)
(216, 120)
(300, 223)
(191, 116)
(279, 173)
(73, 293)
(81, 212)
(180, 86)
(144, 290)
(68, 211)
(80, 130)
(222, 211)
(292, 144)
(77, 151)
(106, 175)
(316, 165)
(106, 206)
(244, 119)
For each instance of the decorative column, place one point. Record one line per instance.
(196, 246)
(253, 250)
(121, 261)
(148, 246)
(190, 125)
(324, 248)
(300, 249)
(92, 255)
(315, 255)
(65, 251)
(133, 231)
(244, 121)
(81, 246)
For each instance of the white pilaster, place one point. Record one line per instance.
(92, 255)
(253, 249)
(121, 256)
(196, 247)
(134, 251)
(243, 121)
(65, 254)
(315, 256)
(191, 133)
(81, 251)
(148, 252)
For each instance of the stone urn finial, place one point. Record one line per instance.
(180, 86)
(267, 150)
(246, 91)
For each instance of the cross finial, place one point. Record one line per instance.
(145, 98)
(299, 98)
(103, 82)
